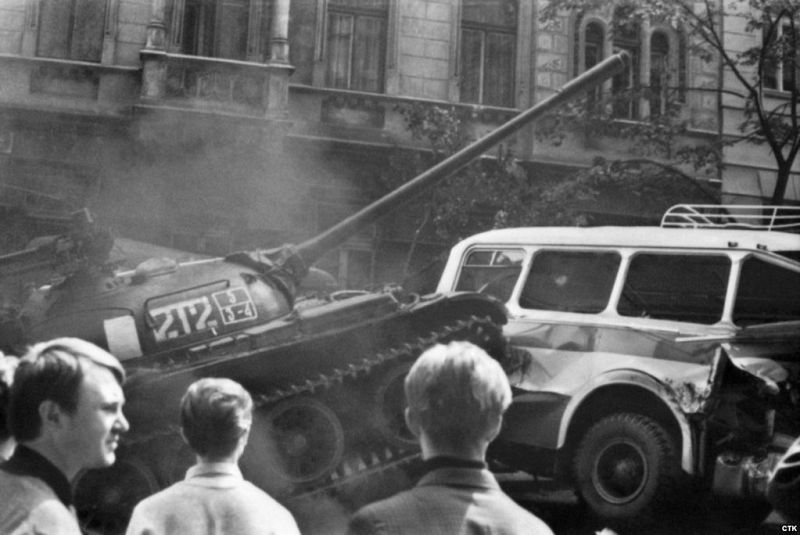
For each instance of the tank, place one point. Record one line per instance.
(325, 373)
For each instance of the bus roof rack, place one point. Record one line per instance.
(734, 216)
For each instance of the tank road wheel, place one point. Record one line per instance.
(307, 439)
(627, 469)
(105, 498)
(387, 391)
(388, 407)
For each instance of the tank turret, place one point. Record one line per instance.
(326, 379)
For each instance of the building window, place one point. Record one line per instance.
(594, 38)
(665, 64)
(593, 45)
(683, 76)
(303, 32)
(488, 52)
(659, 73)
(627, 36)
(356, 44)
(782, 74)
(230, 29)
(71, 29)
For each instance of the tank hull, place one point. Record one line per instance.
(327, 388)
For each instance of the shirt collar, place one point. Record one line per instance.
(459, 477)
(444, 461)
(202, 469)
(27, 462)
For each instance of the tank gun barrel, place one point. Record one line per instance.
(310, 250)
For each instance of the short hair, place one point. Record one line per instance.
(53, 371)
(215, 413)
(458, 392)
(8, 364)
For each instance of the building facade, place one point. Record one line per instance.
(219, 125)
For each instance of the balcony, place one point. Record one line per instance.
(205, 84)
(68, 86)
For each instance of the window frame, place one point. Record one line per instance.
(596, 95)
(676, 60)
(659, 91)
(787, 265)
(485, 30)
(778, 71)
(355, 13)
(630, 78)
(104, 37)
(610, 300)
(733, 269)
(495, 251)
(257, 32)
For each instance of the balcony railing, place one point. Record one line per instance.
(69, 85)
(214, 84)
(374, 118)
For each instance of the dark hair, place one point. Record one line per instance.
(7, 366)
(215, 413)
(52, 371)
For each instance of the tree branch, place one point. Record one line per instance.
(671, 169)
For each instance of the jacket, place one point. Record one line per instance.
(213, 498)
(449, 501)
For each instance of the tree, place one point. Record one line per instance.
(505, 192)
(489, 193)
(766, 120)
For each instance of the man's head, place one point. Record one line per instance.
(66, 401)
(215, 418)
(456, 396)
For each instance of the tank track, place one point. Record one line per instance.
(338, 377)
(480, 330)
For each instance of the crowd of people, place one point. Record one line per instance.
(61, 411)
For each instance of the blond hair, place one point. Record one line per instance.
(458, 392)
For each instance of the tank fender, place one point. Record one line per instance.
(640, 380)
(480, 304)
(347, 311)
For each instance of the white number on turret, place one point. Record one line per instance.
(202, 313)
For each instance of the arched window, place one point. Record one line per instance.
(782, 72)
(665, 64)
(593, 45)
(594, 40)
(659, 72)
(683, 75)
(626, 36)
(488, 51)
